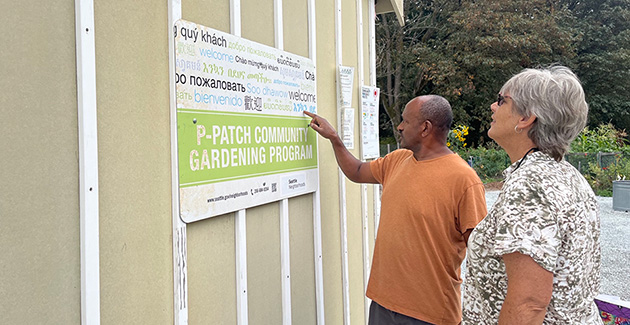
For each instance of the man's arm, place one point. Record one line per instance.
(529, 291)
(472, 209)
(356, 170)
(467, 235)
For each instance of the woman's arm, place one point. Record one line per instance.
(529, 291)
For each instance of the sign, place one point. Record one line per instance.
(347, 128)
(369, 120)
(346, 80)
(242, 138)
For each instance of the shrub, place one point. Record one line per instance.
(489, 163)
(456, 140)
(605, 138)
(598, 154)
(601, 178)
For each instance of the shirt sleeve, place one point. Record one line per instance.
(380, 166)
(472, 207)
(526, 223)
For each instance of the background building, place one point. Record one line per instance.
(90, 231)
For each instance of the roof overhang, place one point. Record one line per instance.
(385, 6)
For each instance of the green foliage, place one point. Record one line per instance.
(601, 178)
(604, 138)
(466, 50)
(492, 40)
(387, 140)
(489, 163)
(601, 150)
(603, 60)
(456, 140)
(412, 59)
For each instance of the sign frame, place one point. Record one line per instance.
(242, 137)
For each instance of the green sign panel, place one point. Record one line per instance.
(221, 146)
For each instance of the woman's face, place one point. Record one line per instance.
(503, 119)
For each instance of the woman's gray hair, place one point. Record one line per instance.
(555, 96)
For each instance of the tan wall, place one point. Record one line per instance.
(303, 301)
(134, 162)
(214, 14)
(211, 242)
(353, 192)
(39, 202)
(327, 106)
(39, 205)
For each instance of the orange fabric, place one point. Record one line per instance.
(426, 207)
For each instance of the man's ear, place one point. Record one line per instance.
(427, 128)
(526, 121)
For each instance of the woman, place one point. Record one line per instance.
(536, 257)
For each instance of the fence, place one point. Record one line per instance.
(387, 148)
(580, 160)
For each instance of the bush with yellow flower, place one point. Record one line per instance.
(456, 140)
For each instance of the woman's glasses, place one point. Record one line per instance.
(501, 99)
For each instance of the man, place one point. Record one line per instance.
(431, 202)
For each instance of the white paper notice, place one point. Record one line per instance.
(346, 80)
(369, 122)
(348, 127)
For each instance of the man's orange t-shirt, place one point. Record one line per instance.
(426, 207)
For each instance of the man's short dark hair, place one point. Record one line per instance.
(438, 110)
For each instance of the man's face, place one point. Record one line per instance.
(409, 127)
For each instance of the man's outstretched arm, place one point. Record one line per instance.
(356, 170)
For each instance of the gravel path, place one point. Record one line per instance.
(615, 244)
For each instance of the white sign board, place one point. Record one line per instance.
(242, 138)
(369, 122)
(346, 81)
(347, 128)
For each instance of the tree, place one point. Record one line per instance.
(603, 59)
(465, 50)
(493, 40)
(411, 60)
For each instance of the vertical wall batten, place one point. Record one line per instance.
(285, 252)
(240, 229)
(180, 263)
(372, 36)
(317, 216)
(285, 260)
(364, 198)
(88, 162)
(278, 24)
(240, 234)
(235, 17)
(342, 180)
(319, 269)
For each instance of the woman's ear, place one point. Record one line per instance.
(526, 121)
